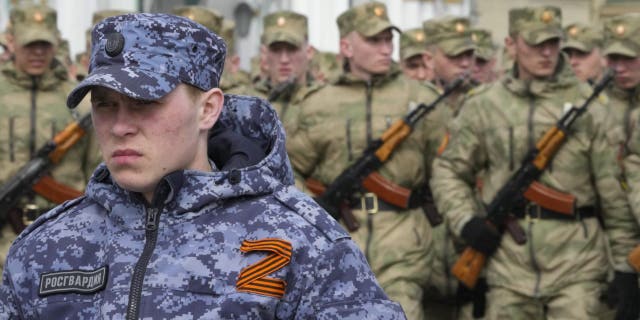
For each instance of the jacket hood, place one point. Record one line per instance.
(247, 145)
(563, 77)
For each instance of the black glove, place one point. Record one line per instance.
(624, 293)
(481, 236)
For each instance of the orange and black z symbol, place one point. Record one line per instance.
(254, 277)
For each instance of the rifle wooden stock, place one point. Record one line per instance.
(467, 269)
(55, 191)
(316, 187)
(392, 138)
(634, 258)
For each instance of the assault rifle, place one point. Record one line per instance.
(335, 198)
(32, 176)
(521, 186)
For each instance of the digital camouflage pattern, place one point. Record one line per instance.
(536, 24)
(485, 48)
(284, 26)
(368, 19)
(203, 219)
(582, 37)
(202, 15)
(120, 52)
(622, 35)
(34, 23)
(492, 133)
(451, 34)
(412, 43)
(330, 136)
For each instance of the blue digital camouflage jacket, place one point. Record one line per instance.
(241, 243)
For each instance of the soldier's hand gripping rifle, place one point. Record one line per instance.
(521, 186)
(30, 176)
(336, 196)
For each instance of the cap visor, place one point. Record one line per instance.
(619, 48)
(410, 52)
(29, 35)
(576, 46)
(382, 25)
(289, 38)
(134, 83)
(539, 36)
(454, 47)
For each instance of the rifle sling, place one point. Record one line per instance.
(537, 212)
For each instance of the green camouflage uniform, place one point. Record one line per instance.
(327, 64)
(623, 37)
(333, 131)
(49, 114)
(289, 27)
(485, 48)
(560, 271)
(452, 36)
(582, 37)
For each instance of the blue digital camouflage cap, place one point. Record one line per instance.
(145, 56)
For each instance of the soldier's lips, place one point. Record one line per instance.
(125, 156)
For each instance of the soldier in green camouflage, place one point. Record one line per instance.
(560, 271)
(33, 93)
(484, 70)
(582, 43)
(449, 53)
(622, 51)
(285, 54)
(233, 78)
(325, 66)
(412, 45)
(339, 121)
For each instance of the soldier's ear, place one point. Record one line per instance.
(427, 58)
(210, 107)
(510, 45)
(346, 50)
(310, 52)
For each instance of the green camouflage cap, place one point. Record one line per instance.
(485, 48)
(367, 19)
(228, 28)
(284, 26)
(412, 43)
(202, 15)
(103, 14)
(451, 34)
(536, 25)
(582, 37)
(34, 23)
(622, 35)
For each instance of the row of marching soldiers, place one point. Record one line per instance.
(574, 263)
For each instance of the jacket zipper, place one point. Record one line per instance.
(369, 139)
(151, 237)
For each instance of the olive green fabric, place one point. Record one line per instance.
(326, 65)
(451, 34)
(622, 35)
(284, 26)
(536, 24)
(106, 13)
(625, 105)
(32, 23)
(51, 116)
(582, 37)
(330, 136)
(202, 15)
(492, 133)
(6, 238)
(368, 19)
(485, 48)
(412, 43)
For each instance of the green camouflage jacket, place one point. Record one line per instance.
(628, 111)
(331, 128)
(51, 115)
(495, 128)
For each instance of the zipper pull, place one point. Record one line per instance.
(152, 219)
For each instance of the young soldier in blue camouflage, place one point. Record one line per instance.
(179, 223)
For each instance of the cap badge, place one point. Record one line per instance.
(37, 16)
(547, 16)
(419, 36)
(474, 37)
(191, 17)
(573, 31)
(378, 11)
(281, 21)
(114, 45)
(460, 27)
(620, 29)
